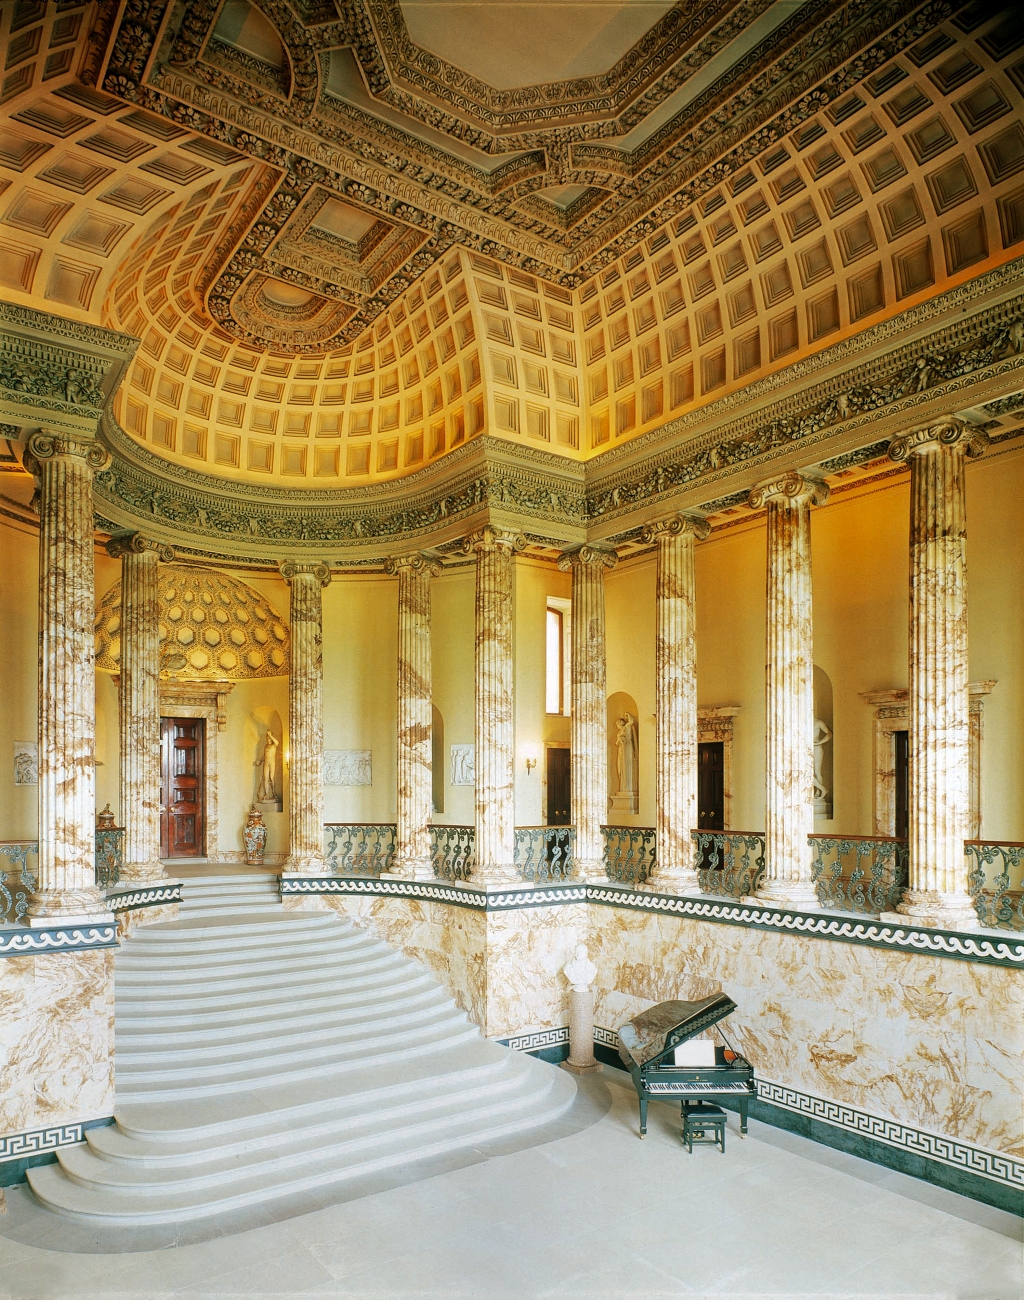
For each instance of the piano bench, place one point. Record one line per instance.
(703, 1123)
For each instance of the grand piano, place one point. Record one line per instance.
(647, 1046)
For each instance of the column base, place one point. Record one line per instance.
(494, 879)
(68, 907)
(576, 1067)
(592, 871)
(934, 910)
(786, 893)
(139, 873)
(418, 871)
(310, 864)
(673, 882)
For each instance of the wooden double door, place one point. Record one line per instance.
(182, 787)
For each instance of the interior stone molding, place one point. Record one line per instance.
(892, 714)
(716, 724)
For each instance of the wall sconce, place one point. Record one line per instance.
(530, 756)
(531, 763)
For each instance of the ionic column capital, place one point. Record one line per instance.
(47, 446)
(122, 544)
(792, 489)
(676, 526)
(291, 569)
(419, 563)
(587, 557)
(951, 434)
(492, 539)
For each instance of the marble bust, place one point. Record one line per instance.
(579, 970)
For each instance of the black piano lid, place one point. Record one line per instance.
(655, 1032)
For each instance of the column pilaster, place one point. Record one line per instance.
(306, 719)
(495, 552)
(789, 689)
(939, 804)
(66, 881)
(415, 787)
(676, 701)
(589, 731)
(139, 704)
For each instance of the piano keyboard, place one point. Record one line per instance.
(674, 1089)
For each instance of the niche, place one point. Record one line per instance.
(623, 754)
(437, 758)
(267, 744)
(823, 744)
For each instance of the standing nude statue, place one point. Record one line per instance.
(267, 790)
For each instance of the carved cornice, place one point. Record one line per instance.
(791, 490)
(951, 434)
(125, 544)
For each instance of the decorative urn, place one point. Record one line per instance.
(105, 820)
(254, 833)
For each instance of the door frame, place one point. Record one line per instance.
(717, 724)
(204, 700)
(550, 744)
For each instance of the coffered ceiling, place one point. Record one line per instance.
(353, 235)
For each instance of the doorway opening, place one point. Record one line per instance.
(182, 787)
(901, 755)
(558, 772)
(711, 786)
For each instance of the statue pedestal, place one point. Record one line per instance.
(626, 801)
(581, 1033)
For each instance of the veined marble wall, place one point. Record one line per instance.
(56, 1039)
(935, 1043)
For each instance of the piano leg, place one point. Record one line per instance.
(743, 1117)
(643, 1117)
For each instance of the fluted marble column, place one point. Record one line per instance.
(938, 678)
(789, 689)
(306, 719)
(415, 785)
(495, 705)
(589, 733)
(139, 713)
(676, 701)
(66, 880)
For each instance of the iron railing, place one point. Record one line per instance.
(109, 855)
(729, 863)
(544, 853)
(453, 850)
(630, 853)
(17, 881)
(859, 873)
(359, 848)
(995, 878)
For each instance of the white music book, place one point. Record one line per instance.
(698, 1051)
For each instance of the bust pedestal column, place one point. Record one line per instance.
(939, 804)
(589, 707)
(415, 786)
(139, 706)
(495, 813)
(66, 880)
(306, 720)
(789, 690)
(676, 702)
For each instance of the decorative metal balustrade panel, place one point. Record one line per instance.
(109, 856)
(729, 863)
(359, 848)
(453, 850)
(995, 878)
(17, 880)
(859, 873)
(545, 853)
(630, 853)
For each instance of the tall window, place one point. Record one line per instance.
(554, 694)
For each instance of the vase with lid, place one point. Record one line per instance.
(254, 834)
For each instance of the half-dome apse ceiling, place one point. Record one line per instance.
(352, 238)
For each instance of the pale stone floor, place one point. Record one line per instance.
(589, 1212)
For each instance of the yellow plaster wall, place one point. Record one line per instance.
(19, 609)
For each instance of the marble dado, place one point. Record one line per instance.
(56, 1039)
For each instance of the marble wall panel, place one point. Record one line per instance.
(526, 951)
(130, 921)
(56, 1039)
(934, 1043)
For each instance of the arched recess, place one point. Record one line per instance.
(623, 756)
(437, 758)
(823, 745)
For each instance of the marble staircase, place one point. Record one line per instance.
(262, 1052)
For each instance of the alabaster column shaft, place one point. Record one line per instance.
(305, 719)
(415, 785)
(789, 690)
(676, 702)
(939, 803)
(66, 880)
(589, 732)
(140, 704)
(495, 706)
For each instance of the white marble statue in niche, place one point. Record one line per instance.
(463, 765)
(822, 794)
(26, 762)
(348, 767)
(627, 797)
(267, 791)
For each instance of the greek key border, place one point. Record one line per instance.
(144, 896)
(37, 1142)
(955, 1152)
(30, 941)
(539, 1038)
